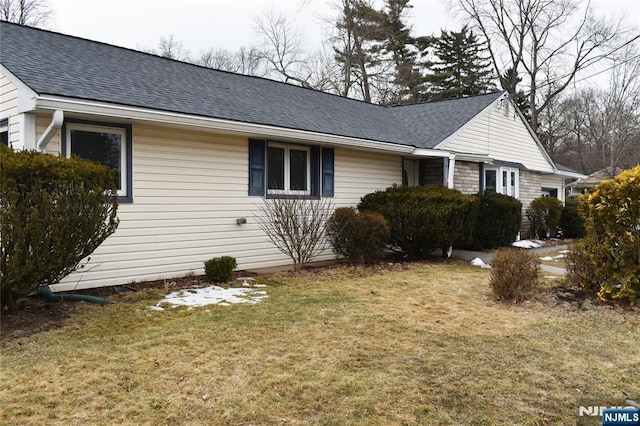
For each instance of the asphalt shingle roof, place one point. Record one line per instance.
(56, 64)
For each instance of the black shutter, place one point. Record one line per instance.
(257, 167)
(315, 171)
(422, 170)
(328, 173)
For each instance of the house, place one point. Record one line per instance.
(198, 150)
(583, 184)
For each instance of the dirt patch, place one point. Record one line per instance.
(34, 314)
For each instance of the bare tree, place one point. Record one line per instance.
(243, 61)
(169, 47)
(600, 128)
(32, 13)
(282, 49)
(296, 226)
(549, 40)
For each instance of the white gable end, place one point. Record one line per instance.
(499, 133)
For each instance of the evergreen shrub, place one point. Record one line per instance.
(497, 223)
(54, 212)
(608, 257)
(515, 275)
(220, 269)
(423, 219)
(571, 223)
(362, 237)
(544, 217)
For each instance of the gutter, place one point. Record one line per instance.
(228, 126)
(54, 126)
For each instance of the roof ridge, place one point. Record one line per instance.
(435, 101)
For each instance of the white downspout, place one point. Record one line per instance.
(452, 167)
(54, 126)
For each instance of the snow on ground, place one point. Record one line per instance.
(213, 295)
(479, 262)
(528, 244)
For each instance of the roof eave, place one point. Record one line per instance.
(102, 109)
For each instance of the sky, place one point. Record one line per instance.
(202, 24)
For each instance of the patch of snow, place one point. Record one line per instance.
(527, 244)
(479, 262)
(212, 295)
(546, 258)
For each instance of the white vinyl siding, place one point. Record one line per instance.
(502, 136)
(189, 189)
(9, 109)
(358, 173)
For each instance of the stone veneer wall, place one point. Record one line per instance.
(466, 178)
(530, 188)
(467, 181)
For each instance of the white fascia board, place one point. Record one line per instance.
(462, 156)
(425, 152)
(162, 117)
(444, 143)
(26, 95)
(572, 175)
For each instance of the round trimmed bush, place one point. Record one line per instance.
(362, 237)
(220, 269)
(423, 219)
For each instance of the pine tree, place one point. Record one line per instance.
(403, 49)
(462, 69)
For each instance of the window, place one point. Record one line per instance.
(503, 180)
(4, 132)
(109, 144)
(289, 169)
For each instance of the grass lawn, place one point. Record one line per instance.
(555, 258)
(419, 344)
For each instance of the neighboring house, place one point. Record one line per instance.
(586, 183)
(197, 149)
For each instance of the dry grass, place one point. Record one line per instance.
(555, 258)
(424, 344)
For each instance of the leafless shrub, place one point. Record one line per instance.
(296, 226)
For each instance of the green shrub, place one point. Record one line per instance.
(514, 275)
(220, 269)
(571, 223)
(497, 223)
(362, 237)
(54, 212)
(544, 216)
(423, 219)
(611, 246)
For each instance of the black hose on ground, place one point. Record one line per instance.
(50, 296)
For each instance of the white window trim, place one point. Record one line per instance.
(123, 192)
(500, 182)
(287, 169)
